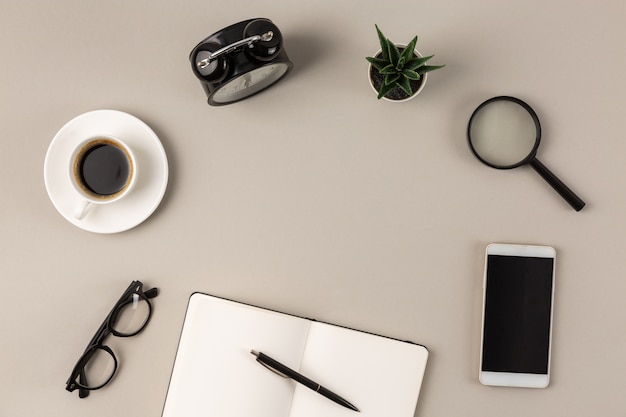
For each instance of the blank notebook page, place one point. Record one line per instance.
(216, 375)
(380, 376)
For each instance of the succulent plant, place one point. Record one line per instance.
(399, 66)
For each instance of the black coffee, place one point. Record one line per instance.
(104, 169)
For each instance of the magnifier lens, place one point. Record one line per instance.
(503, 133)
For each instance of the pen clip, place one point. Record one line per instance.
(272, 369)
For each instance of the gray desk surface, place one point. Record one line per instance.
(313, 197)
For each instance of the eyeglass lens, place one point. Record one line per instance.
(131, 316)
(99, 368)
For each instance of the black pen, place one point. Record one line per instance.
(282, 370)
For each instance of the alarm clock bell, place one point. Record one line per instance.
(240, 60)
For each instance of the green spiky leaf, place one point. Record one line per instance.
(385, 89)
(392, 78)
(429, 68)
(377, 63)
(400, 64)
(417, 62)
(410, 74)
(405, 85)
(389, 69)
(407, 53)
(394, 53)
(384, 44)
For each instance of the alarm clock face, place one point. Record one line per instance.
(249, 83)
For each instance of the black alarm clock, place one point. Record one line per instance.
(240, 60)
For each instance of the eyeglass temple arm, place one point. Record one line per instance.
(82, 392)
(151, 293)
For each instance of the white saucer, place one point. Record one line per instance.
(148, 192)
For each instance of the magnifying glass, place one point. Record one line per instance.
(504, 132)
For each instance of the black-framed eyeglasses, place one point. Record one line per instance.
(129, 316)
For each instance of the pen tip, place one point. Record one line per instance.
(352, 407)
(254, 352)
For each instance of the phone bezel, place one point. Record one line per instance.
(509, 379)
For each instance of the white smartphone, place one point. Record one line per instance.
(518, 295)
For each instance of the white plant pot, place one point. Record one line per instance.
(423, 78)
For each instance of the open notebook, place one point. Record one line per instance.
(215, 375)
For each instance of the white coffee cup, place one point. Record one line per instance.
(103, 170)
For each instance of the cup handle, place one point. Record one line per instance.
(82, 208)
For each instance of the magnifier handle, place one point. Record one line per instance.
(558, 185)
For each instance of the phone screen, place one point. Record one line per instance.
(518, 305)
